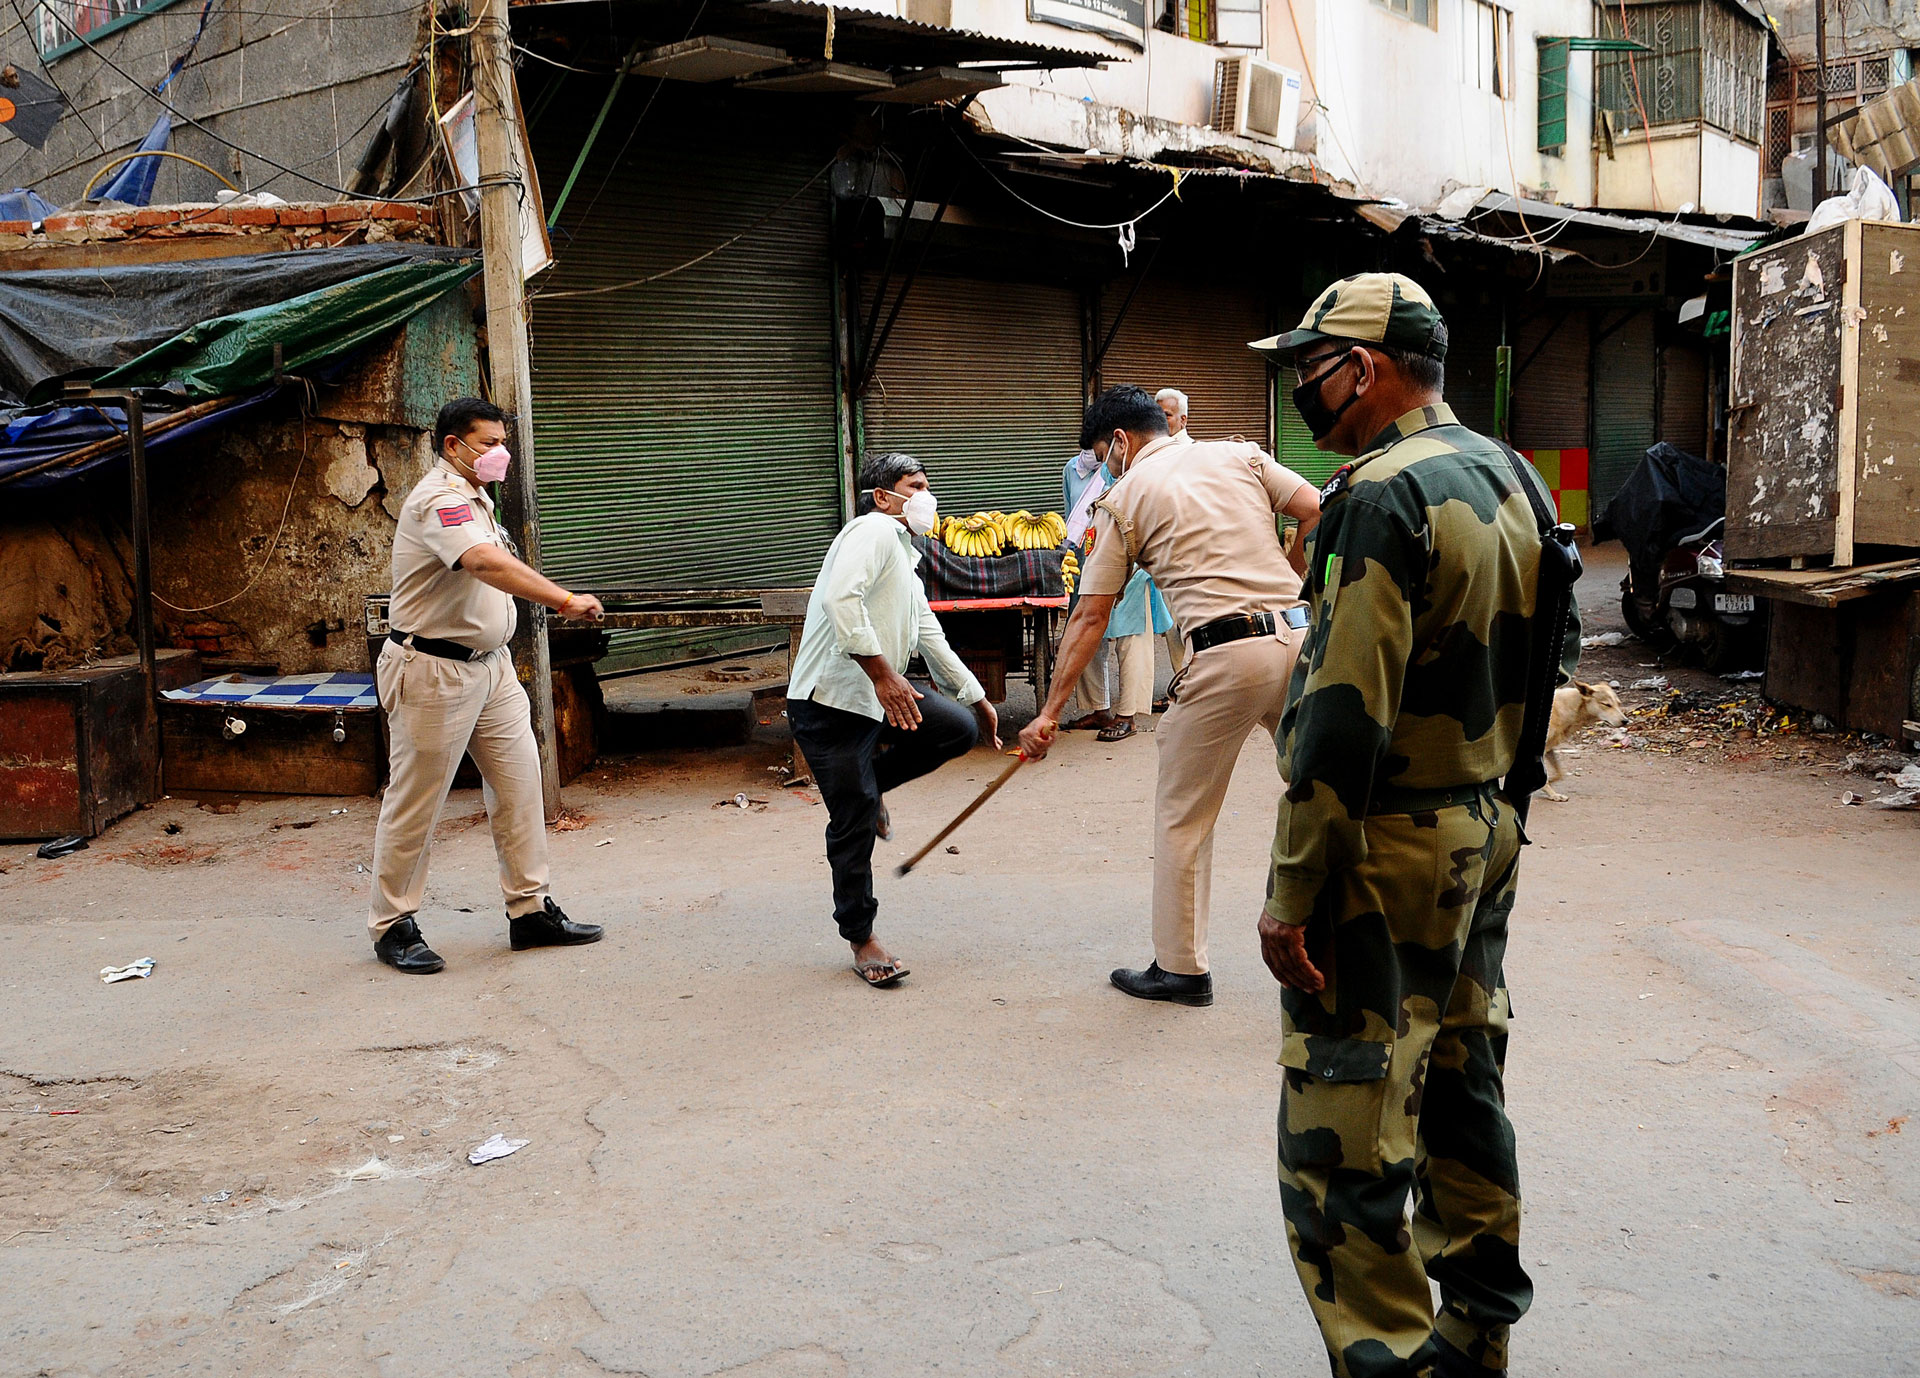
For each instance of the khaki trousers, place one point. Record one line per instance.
(437, 710)
(1224, 693)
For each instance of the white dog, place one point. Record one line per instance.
(1574, 706)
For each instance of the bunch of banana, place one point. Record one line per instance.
(1028, 532)
(1070, 570)
(979, 534)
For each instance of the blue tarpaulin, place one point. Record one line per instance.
(132, 185)
(31, 443)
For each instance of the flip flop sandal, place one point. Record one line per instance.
(1085, 723)
(1119, 732)
(889, 972)
(1162, 705)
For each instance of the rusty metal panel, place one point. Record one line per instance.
(433, 358)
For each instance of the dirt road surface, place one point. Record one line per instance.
(741, 1162)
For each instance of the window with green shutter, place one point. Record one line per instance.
(1553, 95)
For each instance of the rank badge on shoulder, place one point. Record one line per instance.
(457, 515)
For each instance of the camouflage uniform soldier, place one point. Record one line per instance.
(1395, 855)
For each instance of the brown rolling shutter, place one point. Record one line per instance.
(1683, 397)
(980, 381)
(1550, 382)
(1195, 339)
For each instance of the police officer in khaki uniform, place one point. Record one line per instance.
(1201, 518)
(447, 683)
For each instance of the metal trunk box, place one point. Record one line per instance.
(77, 748)
(1823, 434)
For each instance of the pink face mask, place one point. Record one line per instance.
(492, 464)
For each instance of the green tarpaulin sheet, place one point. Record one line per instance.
(233, 354)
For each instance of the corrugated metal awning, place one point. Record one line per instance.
(1735, 236)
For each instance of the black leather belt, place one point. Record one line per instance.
(1242, 626)
(446, 650)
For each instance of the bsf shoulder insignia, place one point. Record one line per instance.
(457, 515)
(1337, 484)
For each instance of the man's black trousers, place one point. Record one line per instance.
(855, 760)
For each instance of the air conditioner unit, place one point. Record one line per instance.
(1256, 99)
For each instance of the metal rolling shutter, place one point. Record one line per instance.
(684, 429)
(1473, 334)
(980, 381)
(1683, 398)
(1194, 339)
(1623, 420)
(1550, 394)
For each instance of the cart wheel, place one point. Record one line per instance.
(1042, 661)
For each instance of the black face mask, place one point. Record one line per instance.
(1320, 418)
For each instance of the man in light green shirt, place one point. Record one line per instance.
(862, 727)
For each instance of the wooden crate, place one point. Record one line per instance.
(283, 750)
(1823, 443)
(77, 746)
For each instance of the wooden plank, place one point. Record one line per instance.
(685, 617)
(1846, 457)
(1823, 588)
(1887, 510)
(696, 597)
(785, 605)
(1806, 666)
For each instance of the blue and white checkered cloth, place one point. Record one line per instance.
(346, 689)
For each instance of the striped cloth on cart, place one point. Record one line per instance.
(1017, 574)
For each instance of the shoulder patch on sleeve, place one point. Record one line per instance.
(459, 514)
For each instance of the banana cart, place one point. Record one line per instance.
(997, 637)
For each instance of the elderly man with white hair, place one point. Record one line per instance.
(1174, 403)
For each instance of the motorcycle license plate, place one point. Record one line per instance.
(1733, 602)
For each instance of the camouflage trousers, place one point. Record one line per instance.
(1393, 1087)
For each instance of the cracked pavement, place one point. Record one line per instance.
(743, 1163)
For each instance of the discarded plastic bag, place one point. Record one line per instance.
(499, 1146)
(131, 971)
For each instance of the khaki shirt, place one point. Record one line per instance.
(443, 518)
(1199, 518)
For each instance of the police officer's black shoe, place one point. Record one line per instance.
(1155, 984)
(550, 927)
(403, 948)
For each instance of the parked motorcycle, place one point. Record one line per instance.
(1669, 515)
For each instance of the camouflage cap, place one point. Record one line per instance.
(1374, 308)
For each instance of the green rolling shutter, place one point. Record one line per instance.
(1624, 368)
(1296, 450)
(980, 381)
(684, 429)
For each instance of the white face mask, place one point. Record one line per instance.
(920, 511)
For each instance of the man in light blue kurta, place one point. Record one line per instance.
(1141, 613)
